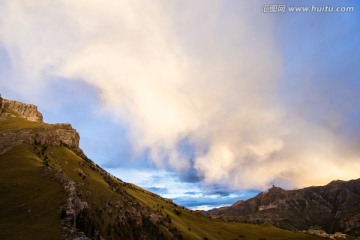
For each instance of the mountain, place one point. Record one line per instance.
(50, 190)
(333, 208)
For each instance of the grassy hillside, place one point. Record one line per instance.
(14, 124)
(29, 200)
(34, 197)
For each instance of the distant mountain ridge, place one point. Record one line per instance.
(333, 208)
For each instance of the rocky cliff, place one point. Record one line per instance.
(55, 134)
(23, 110)
(37, 133)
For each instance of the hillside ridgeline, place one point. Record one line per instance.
(50, 190)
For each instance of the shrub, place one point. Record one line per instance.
(177, 211)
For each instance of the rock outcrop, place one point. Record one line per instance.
(23, 110)
(55, 134)
(42, 133)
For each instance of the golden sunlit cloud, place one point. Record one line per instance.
(175, 71)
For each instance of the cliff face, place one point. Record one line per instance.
(55, 134)
(41, 133)
(23, 110)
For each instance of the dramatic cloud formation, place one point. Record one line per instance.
(198, 85)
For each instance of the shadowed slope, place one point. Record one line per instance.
(29, 199)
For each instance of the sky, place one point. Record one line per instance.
(204, 102)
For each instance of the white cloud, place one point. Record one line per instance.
(179, 70)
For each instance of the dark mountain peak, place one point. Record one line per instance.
(275, 190)
(336, 182)
(272, 194)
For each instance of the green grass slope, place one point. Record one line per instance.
(32, 195)
(29, 200)
(16, 123)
